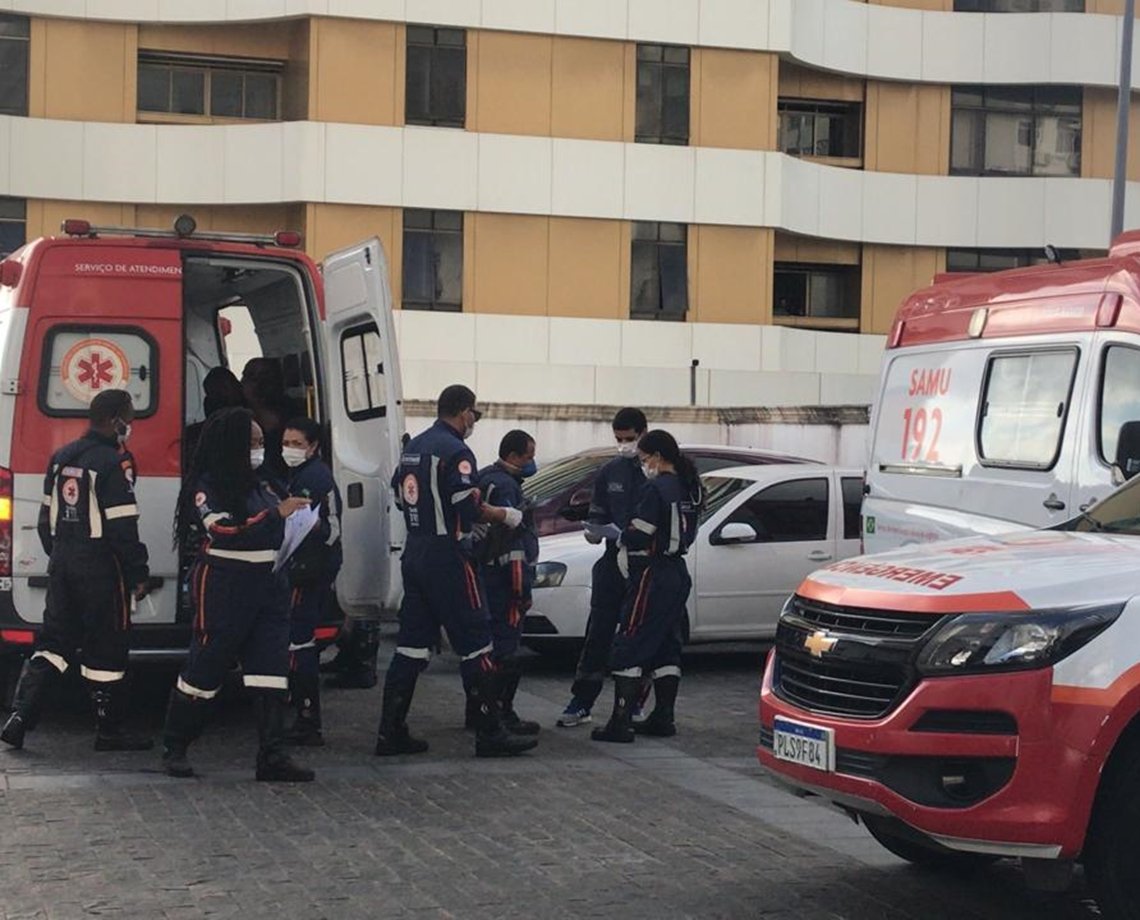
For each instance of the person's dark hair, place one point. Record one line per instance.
(222, 389)
(659, 441)
(107, 405)
(310, 428)
(222, 453)
(630, 419)
(453, 400)
(515, 441)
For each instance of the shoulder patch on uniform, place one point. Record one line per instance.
(411, 489)
(72, 471)
(464, 467)
(199, 499)
(70, 491)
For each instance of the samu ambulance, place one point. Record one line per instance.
(152, 312)
(1005, 400)
(976, 698)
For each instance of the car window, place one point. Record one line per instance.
(553, 479)
(787, 512)
(1119, 400)
(852, 502)
(718, 490)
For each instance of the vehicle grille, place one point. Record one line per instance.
(868, 670)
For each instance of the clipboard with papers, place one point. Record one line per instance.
(297, 527)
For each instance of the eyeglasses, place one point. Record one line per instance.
(476, 412)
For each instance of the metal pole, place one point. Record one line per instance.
(1123, 105)
(693, 381)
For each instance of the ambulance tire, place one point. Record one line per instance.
(1112, 850)
(924, 855)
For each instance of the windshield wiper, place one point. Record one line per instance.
(1094, 524)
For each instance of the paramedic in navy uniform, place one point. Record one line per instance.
(235, 523)
(661, 530)
(615, 494)
(435, 487)
(88, 525)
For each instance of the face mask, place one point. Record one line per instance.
(256, 457)
(529, 470)
(650, 472)
(294, 456)
(123, 432)
(626, 448)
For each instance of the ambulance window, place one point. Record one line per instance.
(1024, 404)
(1119, 397)
(238, 336)
(365, 389)
(79, 362)
(787, 512)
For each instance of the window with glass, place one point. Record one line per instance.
(80, 362)
(1015, 130)
(1119, 398)
(818, 291)
(365, 388)
(820, 129)
(13, 225)
(209, 87)
(787, 512)
(852, 507)
(14, 41)
(1025, 402)
(996, 260)
(433, 260)
(1019, 6)
(435, 90)
(659, 272)
(662, 113)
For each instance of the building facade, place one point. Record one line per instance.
(580, 198)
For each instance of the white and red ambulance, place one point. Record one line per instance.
(152, 312)
(976, 698)
(1005, 400)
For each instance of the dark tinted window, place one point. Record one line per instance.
(996, 260)
(659, 275)
(14, 31)
(188, 85)
(1023, 408)
(787, 512)
(817, 291)
(718, 491)
(852, 503)
(662, 95)
(13, 224)
(1019, 6)
(433, 260)
(820, 129)
(436, 86)
(1016, 130)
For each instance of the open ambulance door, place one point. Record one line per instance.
(367, 416)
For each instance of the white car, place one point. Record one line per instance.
(764, 529)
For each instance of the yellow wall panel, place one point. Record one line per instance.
(511, 73)
(732, 278)
(234, 218)
(907, 128)
(83, 71)
(1098, 135)
(353, 70)
(1112, 7)
(791, 248)
(297, 87)
(510, 261)
(271, 40)
(45, 216)
(587, 89)
(803, 83)
(589, 268)
(329, 227)
(890, 274)
(734, 99)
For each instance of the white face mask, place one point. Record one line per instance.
(294, 456)
(256, 457)
(650, 472)
(626, 448)
(124, 434)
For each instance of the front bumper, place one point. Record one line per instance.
(1039, 807)
(558, 613)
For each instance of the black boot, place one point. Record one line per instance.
(619, 728)
(511, 721)
(274, 765)
(359, 670)
(185, 717)
(110, 700)
(660, 722)
(34, 678)
(491, 738)
(305, 695)
(471, 707)
(393, 737)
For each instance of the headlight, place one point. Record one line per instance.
(549, 574)
(1012, 641)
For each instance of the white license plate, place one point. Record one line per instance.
(808, 745)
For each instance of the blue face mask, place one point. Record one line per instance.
(529, 470)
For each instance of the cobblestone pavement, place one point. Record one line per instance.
(684, 827)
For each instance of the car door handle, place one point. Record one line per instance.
(1053, 503)
(819, 556)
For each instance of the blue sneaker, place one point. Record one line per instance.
(575, 713)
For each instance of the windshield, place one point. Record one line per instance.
(553, 479)
(1119, 513)
(718, 490)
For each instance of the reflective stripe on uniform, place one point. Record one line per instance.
(334, 520)
(266, 681)
(121, 511)
(56, 661)
(674, 529)
(211, 519)
(629, 672)
(53, 503)
(244, 555)
(296, 647)
(462, 496)
(423, 654)
(95, 518)
(485, 650)
(101, 677)
(437, 500)
(670, 670)
(47, 500)
(644, 526)
(190, 690)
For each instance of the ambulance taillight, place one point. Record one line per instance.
(5, 523)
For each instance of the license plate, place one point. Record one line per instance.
(808, 745)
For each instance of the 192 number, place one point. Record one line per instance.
(920, 434)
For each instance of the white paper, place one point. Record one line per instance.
(297, 527)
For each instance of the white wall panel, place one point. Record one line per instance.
(659, 181)
(870, 351)
(392, 10)
(947, 212)
(673, 21)
(1011, 213)
(524, 15)
(807, 24)
(647, 386)
(511, 339)
(5, 155)
(1086, 203)
(253, 167)
(243, 10)
(734, 23)
(437, 336)
(845, 36)
(786, 349)
(799, 196)
(531, 383)
(140, 10)
(443, 12)
(953, 47)
(584, 341)
(836, 353)
(729, 187)
(1013, 51)
(841, 202)
(363, 165)
(190, 150)
(47, 158)
(193, 11)
(1068, 39)
(425, 379)
(725, 346)
(304, 170)
(894, 43)
(121, 171)
(588, 178)
(593, 18)
(846, 390)
(763, 388)
(440, 168)
(889, 207)
(648, 343)
(515, 174)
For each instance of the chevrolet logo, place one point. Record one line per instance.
(819, 643)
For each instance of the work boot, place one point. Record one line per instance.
(393, 737)
(511, 721)
(274, 765)
(305, 695)
(660, 722)
(491, 737)
(618, 728)
(185, 717)
(34, 678)
(359, 669)
(110, 700)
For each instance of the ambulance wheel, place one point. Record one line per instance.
(920, 853)
(1112, 851)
